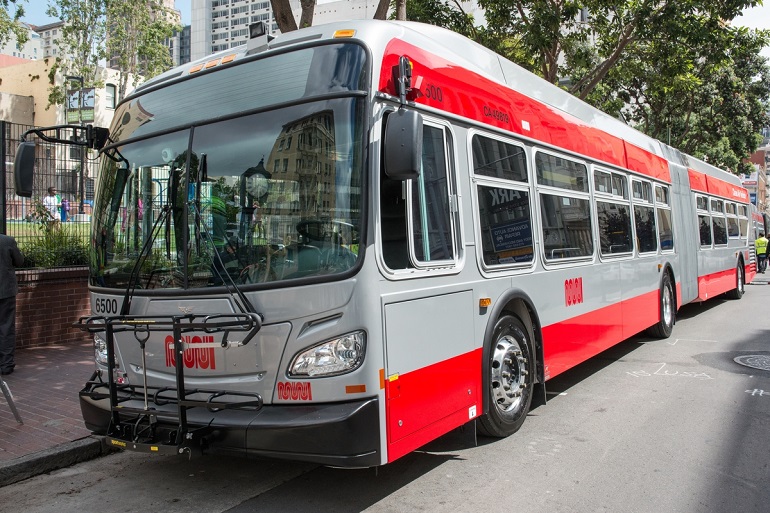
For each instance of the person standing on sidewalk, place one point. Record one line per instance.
(760, 245)
(10, 258)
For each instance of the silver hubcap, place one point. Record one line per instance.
(668, 306)
(740, 280)
(509, 374)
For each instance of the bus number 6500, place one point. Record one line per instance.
(105, 305)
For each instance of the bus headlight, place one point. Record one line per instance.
(100, 350)
(338, 356)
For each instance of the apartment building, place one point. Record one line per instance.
(49, 35)
(31, 50)
(221, 24)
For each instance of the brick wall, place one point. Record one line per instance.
(49, 301)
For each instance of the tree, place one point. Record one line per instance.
(136, 36)
(442, 13)
(711, 104)
(81, 44)
(672, 68)
(680, 24)
(284, 17)
(9, 21)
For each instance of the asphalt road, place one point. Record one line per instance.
(648, 426)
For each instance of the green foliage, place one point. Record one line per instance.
(10, 15)
(81, 41)
(442, 14)
(58, 248)
(55, 245)
(136, 42)
(674, 69)
(137, 35)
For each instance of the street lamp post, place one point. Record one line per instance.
(81, 185)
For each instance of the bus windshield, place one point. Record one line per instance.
(252, 199)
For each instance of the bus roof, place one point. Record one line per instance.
(469, 55)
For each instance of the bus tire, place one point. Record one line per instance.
(740, 284)
(664, 327)
(509, 380)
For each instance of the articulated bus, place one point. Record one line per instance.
(341, 243)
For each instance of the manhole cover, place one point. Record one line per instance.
(755, 361)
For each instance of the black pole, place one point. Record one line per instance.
(82, 184)
(3, 182)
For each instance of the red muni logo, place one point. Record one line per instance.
(295, 391)
(573, 291)
(194, 357)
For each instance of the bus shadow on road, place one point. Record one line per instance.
(330, 490)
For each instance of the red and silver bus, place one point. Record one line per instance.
(341, 243)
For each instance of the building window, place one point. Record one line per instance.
(109, 97)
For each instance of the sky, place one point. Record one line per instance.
(35, 12)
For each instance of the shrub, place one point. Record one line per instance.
(55, 245)
(55, 248)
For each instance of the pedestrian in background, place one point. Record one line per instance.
(51, 203)
(10, 258)
(65, 209)
(760, 245)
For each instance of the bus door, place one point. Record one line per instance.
(433, 365)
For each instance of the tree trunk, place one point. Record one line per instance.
(306, 19)
(401, 10)
(283, 15)
(382, 10)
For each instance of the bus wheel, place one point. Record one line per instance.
(740, 283)
(509, 379)
(665, 326)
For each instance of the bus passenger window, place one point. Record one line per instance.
(566, 226)
(720, 230)
(665, 230)
(644, 219)
(705, 230)
(565, 210)
(614, 228)
(506, 227)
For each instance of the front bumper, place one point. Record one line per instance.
(337, 434)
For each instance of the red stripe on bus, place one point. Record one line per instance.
(446, 86)
(653, 165)
(750, 271)
(575, 340)
(708, 184)
(429, 402)
(714, 284)
(727, 190)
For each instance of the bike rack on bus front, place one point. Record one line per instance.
(143, 437)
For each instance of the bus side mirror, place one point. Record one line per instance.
(24, 168)
(403, 145)
(97, 137)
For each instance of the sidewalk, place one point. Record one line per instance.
(45, 386)
(761, 279)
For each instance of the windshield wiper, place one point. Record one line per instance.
(144, 253)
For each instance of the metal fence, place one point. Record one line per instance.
(71, 171)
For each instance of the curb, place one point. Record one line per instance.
(48, 460)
